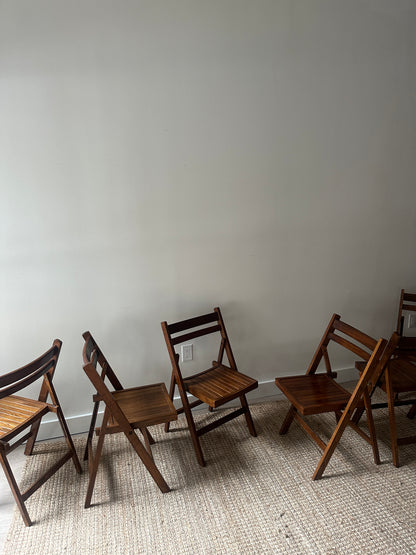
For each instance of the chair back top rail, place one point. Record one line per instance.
(26, 375)
(350, 346)
(191, 323)
(356, 334)
(346, 336)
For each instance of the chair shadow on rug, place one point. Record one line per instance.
(318, 393)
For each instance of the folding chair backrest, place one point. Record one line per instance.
(92, 354)
(347, 337)
(207, 324)
(376, 365)
(407, 303)
(23, 377)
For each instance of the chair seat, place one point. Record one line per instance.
(403, 375)
(314, 393)
(144, 406)
(218, 385)
(17, 412)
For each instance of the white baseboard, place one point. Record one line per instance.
(267, 390)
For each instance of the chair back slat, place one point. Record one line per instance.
(405, 299)
(407, 343)
(350, 346)
(346, 336)
(192, 323)
(26, 375)
(356, 334)
(28, 380)
(411, 297)
(169, 331)
(195, 334)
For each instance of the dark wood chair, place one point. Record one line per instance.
(125, 411)
(318, 393)
(215, 386)
(407, 303)
(398, 379)
(18, 414)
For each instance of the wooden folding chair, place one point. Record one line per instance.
(407, 303)
(398, 379)
(318, 393)
(215, 386)
(17, 414)
(125, 411)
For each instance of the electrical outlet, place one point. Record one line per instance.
(412, 320)
(187, 352)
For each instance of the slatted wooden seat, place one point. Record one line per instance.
(214, 386)
(306, 393)
(142, 406)
(125, 411)
(316, 393)
(17, 414)
(218, 385)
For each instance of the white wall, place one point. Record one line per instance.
(160, 158)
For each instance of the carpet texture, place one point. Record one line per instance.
(254, 496)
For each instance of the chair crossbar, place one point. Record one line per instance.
(192, 323)
(358, 335)
(349, 345)
(195, 334)
(25, 379)
(220, 421)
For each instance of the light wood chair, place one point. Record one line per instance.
(215, 386)
(125, 411)
(18, 413)
(318, 393)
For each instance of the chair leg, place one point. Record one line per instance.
(147, 461)
(412, 411)
(91, 429)
(331, 445)
(15, 489)
(34, 429)
(33, 435)
(93, 464)
(147, 437)
(392, 419)
(171, 393)
(248, 416)
(284, 428)
(192, 428)
(371, 427)
(68, 439)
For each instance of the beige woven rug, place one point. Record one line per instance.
(254, 496)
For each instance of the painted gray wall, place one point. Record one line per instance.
(160, 158)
